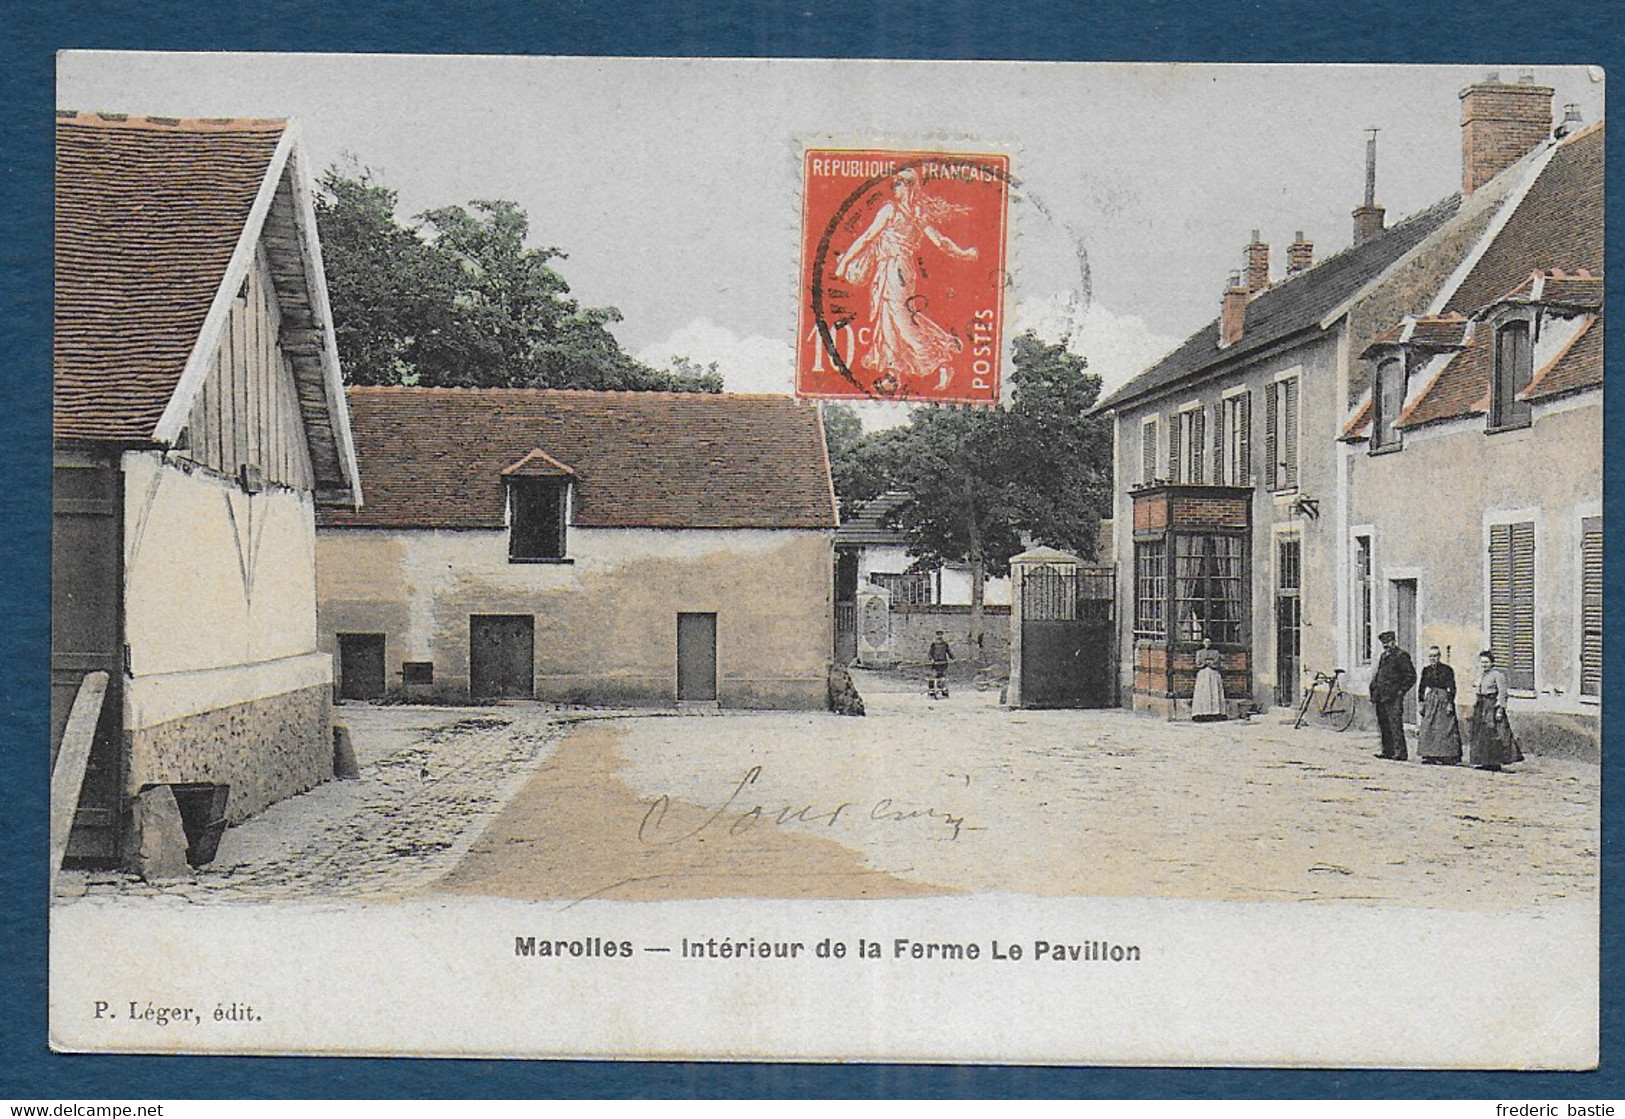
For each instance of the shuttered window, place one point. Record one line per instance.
(1281, 434)
(1387, 402)
(1148, 451)
(1591, 606)
(1173, 450)
(1190, 445)
(1231, 453)
(1514, 367)
(1362, 600)
(1512, 602)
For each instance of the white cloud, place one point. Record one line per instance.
(749, 364)
(1117, 346)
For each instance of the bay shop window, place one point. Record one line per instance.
(1192, 573)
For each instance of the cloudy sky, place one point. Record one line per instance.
(674, 184)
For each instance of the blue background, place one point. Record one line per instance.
(1374, 31)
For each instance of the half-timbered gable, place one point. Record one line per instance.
(199, 418)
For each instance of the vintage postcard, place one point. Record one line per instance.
(812, 560)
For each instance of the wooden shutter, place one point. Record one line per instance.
(1289, 453)
(1148, 452)
(1512, 602)
(1198, 443)
(1220, 433)
(1244, 455)
(1270, 411)
(1591, 606)
(1173, 448)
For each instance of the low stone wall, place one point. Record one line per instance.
(265, 749)
(913, 628)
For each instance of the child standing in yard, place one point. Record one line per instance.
(939, 655)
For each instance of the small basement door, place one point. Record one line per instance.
(696, 657)
(501, 656)
(361, 666)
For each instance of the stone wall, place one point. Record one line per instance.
(265, 749)
(913, 629)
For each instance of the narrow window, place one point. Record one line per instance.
(1281, 434)
(1591, 607)
(1233, 456)
(1362, 600)
(1150, 588)
(1514, 366)
(1175, 457)
(1512, 601)
(536, 509)
(1148, 451)
(1387, 403)
(1192, 442)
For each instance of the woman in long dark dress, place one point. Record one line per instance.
(1490, 735)
(1438, 738)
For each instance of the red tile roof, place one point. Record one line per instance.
(1558, 224)
(1578, 367)
(1549, 253)
(148, 212)
(434, 458)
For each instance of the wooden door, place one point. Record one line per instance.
(1404, 598)
(1288, 619)
(87, 634)
(696, 657)
(502, 656)
(361, 666)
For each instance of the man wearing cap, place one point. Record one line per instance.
(1390, 684)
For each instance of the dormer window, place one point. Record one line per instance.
(1514, 367)
(538, 508)
(1387, 404)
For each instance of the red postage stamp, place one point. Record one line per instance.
(902, 275)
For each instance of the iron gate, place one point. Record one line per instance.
(1069, 637)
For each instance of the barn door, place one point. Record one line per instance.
(361, 665)
(696, 657)
(501, 656)
(87, 635)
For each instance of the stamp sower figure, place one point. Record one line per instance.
(1394, 677)
(907, 343)
(1489, 733)
(1438, 735)
(1207, 701)
(939, 655)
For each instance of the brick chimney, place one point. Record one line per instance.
(1300, 255)
(1258, 265)
(1501, 122)
(1368, 218)
(1233, 313)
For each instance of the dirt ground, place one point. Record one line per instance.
(961, 796)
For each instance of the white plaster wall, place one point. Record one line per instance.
(219, 590)
(607, 618)
(1428, 506)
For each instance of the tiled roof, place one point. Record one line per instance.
(1558, 225)
(871, 524)
(1440, 332)
(1556, 288)
(1549, 252)
(434, 458)
(1292, 305)
(537, 464)
(1577, 367)
(148, 212)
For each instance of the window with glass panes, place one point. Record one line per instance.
(1209, 574)
(1150, 588)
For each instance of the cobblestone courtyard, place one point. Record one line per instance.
(920, 797)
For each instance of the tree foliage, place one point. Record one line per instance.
(981, 485)
(458, 299)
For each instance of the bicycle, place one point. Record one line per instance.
(1336, 705)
